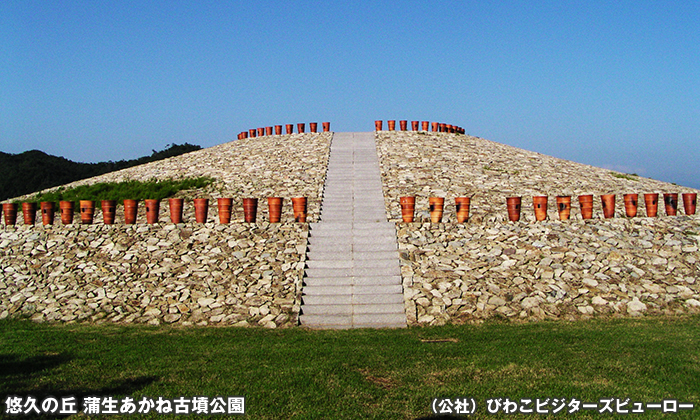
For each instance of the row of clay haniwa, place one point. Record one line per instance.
(201, 208)
(403, 125)
(563, 206)
(289, 128)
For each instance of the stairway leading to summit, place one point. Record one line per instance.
(352, 279)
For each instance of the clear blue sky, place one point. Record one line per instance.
(608, 83)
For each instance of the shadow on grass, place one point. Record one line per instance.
(22, 377)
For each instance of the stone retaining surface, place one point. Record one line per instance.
(567, 270)
(237, 274)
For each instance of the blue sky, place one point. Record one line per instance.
(611, 84)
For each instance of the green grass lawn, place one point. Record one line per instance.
(360, 374)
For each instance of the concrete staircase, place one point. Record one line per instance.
(353, 279)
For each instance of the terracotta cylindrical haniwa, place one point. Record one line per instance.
(131, 210)
(278, 130)
(608, 201)
(299, 209)
(586, 203)
(9, 210)
(425, 125)
(176, 205)
(408, 207)
(109, 211)
(652, 204)
(513, 207)
(201, 208)
(443, 127)
(47, 212)
(244, 135)
(250, 209)
(152, 211)
(274, 206)
(564, 206)
(462, 208)
(66, 209)
(326, 126)
(87, 211)
(261, 131)
(300, 127)
(29, 213)
(378, 125)
(689, 201)
(289, 128)
(630, 201)
(403, 124)
(539, 202)
(252, 132)
(313, 127)
(268, 131)
(414, 125)
(437, 205)
(224, 205)
(671, 203)
(435, 126)
(391, 124)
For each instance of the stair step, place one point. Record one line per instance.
(356, 255)
(327, 281)
(384, 299)
(327, 290)
(377, 289)
(351, 281)
(377, 271)
(326, 321)
(372, 320)
(330, 310)
(376, 280)
(347, 264)
(337, 247)
(328, 272)
(326, 300)
(352, 309)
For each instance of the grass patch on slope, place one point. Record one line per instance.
(351, 374)
(134, 190)
(629, 177)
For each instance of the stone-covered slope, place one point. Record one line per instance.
(452, 165)
(269, 166)
(490, 267)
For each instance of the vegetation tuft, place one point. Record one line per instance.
(630, 177)
(135, 190)
(370, 374)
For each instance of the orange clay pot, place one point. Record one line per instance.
(408, 206)
(462, 208)
(540, 204)
(652, 204)
(436, 208)
(564, 207)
